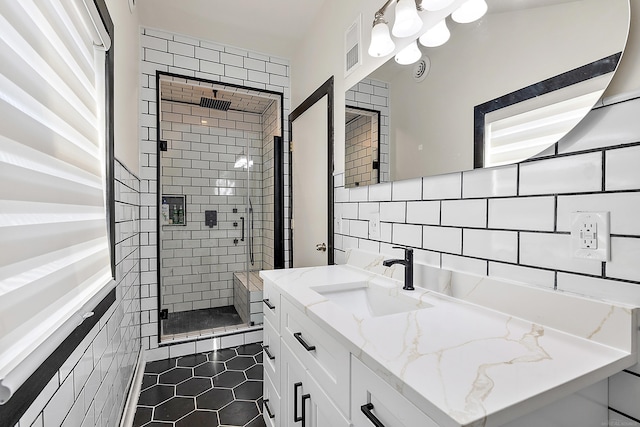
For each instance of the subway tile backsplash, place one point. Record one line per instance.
(573, 174)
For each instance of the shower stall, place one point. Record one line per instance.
(220, 204)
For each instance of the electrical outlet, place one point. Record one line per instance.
(374, 226)
(590, 235)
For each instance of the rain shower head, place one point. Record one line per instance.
(215, 103)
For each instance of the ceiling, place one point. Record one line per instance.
(270, 26)
(190, 92)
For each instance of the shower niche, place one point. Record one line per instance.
(220, 204)
(173, 210)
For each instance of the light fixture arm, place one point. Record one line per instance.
(379, 16)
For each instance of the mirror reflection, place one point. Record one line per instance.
(426, 110)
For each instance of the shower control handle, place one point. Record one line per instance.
(321, 247)
(242, 238)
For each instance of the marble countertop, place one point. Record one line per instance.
(462, 363)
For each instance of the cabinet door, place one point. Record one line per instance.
(271, 353)
(321, 354)
(304, 403)
(271, 304)
(292, 388)
(320, 411)
(271, 404)
(382, 402)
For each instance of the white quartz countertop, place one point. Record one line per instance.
(463, 364)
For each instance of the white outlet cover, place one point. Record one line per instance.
(374, 226)
(603, 237)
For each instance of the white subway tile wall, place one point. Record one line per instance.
(373, 95)
(200, 163)
(360, 151)
(514, 222)
(173, 53)
(90, 389)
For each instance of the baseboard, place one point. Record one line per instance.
(134, 392)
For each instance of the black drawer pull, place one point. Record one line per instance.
(296, 418)
(366, 410)
(271, 306)
(304, 414)
(269, 355)
(266, 406)
(298, 336)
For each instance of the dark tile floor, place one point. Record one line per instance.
(221, 388)
(199, 320)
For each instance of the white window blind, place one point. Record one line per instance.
(55, 258)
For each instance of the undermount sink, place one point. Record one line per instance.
(365, 300)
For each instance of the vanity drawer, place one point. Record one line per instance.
(271, 304)
(326, 360)
(381, 401)
(271, 404)
(271, 353)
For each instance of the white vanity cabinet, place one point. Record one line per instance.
(304, 403)
(375, 403)
(325, 359)
(325, 366)
(271, 303)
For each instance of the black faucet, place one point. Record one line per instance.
(408, 266)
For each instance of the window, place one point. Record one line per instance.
(55, 260)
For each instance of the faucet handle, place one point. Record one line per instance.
(403, 248)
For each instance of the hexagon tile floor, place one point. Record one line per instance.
(221, 388)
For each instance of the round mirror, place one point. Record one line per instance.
(502, 89)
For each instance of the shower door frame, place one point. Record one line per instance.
(279, 190)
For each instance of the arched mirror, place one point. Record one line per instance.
(502, 89)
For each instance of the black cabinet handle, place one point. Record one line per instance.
(298, 336)
(296, 418)
(304, 414)
(269, 355)
(366, 410)
(268, 303)
(266, 407)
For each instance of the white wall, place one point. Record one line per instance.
(127, 83)
(509, 222)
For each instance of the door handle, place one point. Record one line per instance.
(366, 410)
(268, 304)
(269, 355)
(321, 247)
(304, 412)
(296, 418)
(242, 238)
(266, 406)
(298, 336)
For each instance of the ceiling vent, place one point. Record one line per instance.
(352, 47)
(421, 69)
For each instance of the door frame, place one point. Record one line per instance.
(326, 89)
(278, 197)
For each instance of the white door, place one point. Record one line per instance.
(310, 197)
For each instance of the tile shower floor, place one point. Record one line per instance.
(220, 388)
